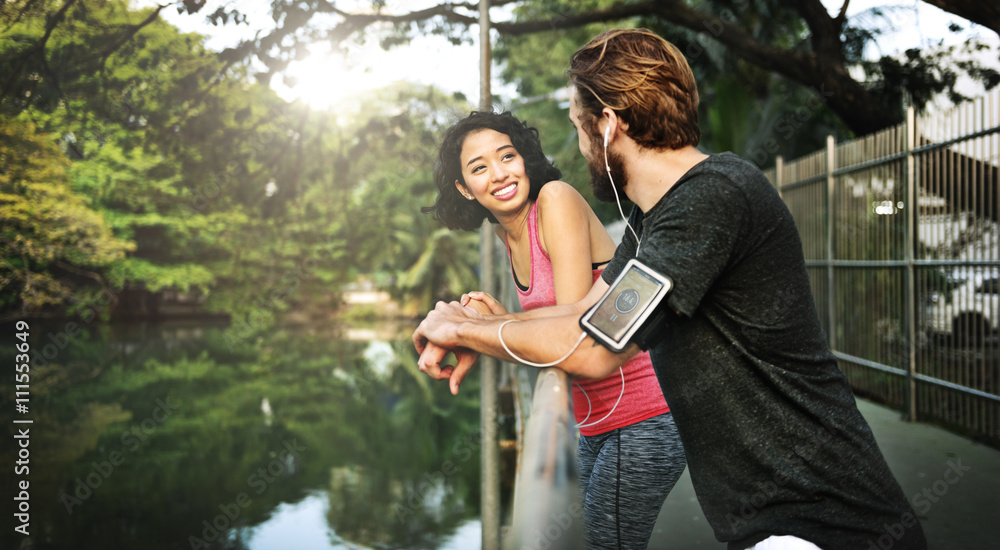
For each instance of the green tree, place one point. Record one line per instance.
(50, 235)
(444, 270)
(174, 148)
(220, 189)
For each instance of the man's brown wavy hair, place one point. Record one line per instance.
(645, 80)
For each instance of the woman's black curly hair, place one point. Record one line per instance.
(454, 210)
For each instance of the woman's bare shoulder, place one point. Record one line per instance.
(559, 194)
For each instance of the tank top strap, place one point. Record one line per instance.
(537, 256)
(533, 228)
(541, 263)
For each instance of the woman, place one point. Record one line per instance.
(492, 166)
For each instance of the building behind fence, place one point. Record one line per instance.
(901, 241)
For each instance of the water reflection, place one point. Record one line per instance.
(175, 438)
(305, 522)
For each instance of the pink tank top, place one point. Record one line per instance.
(642, 398)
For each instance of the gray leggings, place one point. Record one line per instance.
(625, 475)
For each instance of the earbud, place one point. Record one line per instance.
(607, 132)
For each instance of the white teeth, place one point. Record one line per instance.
(505, 190)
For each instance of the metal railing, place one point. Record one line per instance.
(547, 510)
(902, 247)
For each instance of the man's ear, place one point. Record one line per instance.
(612, 124)
(463, 190)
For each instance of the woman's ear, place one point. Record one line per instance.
(465, 192)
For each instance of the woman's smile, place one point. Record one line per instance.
(506, 192)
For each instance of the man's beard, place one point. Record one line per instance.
(600, 181)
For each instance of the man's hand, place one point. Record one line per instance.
(437, 335)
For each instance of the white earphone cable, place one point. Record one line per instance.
(560, 360)
(529, 363)
(615, 189)
(589, 408)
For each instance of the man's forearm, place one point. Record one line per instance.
(549, 312)
(541, 339)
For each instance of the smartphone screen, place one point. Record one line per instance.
(626, 305)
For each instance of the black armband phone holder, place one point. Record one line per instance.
(633, 310)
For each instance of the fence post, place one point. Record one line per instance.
(911, 244)
(831, 294)
(488, 367)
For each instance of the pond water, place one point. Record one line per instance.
(184, 436)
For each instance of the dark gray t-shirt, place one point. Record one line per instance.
(774, 439)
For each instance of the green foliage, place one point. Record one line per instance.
(116, 93)
(396, 150)
(804, 42)
(47, 227)
(443, 270)
(182, 277)
(135, 159)
(537, 62)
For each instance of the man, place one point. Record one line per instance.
(779, 455)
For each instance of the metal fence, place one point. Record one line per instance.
(901, 240)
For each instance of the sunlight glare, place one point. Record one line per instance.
(323, 80)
